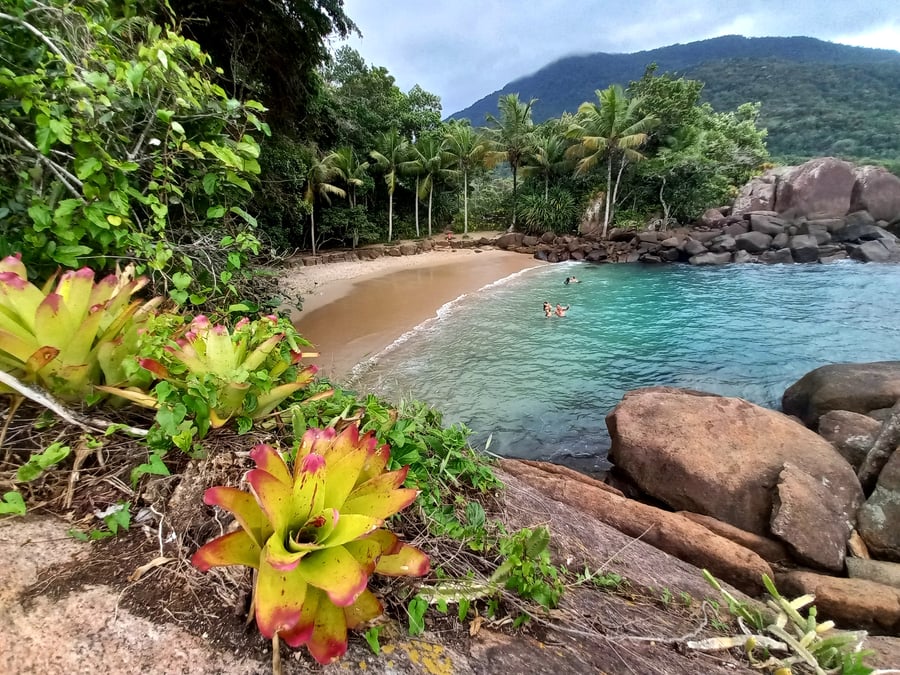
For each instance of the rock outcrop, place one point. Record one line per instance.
(719, 456)
(879, 518)
(857, 387)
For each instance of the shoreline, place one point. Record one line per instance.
(354, 310)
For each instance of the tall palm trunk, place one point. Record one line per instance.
(312, 227)
(615, 194)
(416, 197)
(465, 201)
(608, 196)
(430, 194)
(390, 216)
(515, 185)
(546, 186)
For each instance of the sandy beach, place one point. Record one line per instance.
(353, 310)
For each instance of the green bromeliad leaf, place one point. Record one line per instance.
(321, 525)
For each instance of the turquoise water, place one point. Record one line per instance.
(541, 388)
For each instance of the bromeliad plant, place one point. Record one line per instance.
(315, 535)
(218, 375)
(74, 336)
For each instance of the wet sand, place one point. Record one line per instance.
(350, 320)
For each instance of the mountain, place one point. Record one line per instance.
(818, 98)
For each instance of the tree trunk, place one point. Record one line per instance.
(312, 227)
(880, 452)
(546, 187)
(515, 185)
(663, 201)
(608, 196)
(416, 196)
(615, 193)
(390, 215)
(430, 193)
(465, 201)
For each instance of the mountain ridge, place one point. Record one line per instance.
(737, 69)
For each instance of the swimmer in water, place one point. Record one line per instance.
(561, 311)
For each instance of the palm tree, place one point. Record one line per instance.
(389, 154)
(429, 162)
(510, 138)
(548, 155)
(466, 147)
(611, 129)
(352, 172)
(321, 171)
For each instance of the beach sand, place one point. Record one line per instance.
(353, 310)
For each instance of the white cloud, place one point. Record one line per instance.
(886, 36)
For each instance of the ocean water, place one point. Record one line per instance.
(541, 388)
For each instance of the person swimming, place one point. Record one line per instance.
(548, 309)
(561, 311)
(571, 280)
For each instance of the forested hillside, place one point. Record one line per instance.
(818, 98)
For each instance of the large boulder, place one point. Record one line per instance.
(878, 251)
(719, 456)
(693, 247)
(857, 387)
(879, 518)
(820, 188)
(849, 602)
(859, 232)
(804, 248)
(757, 195)
(753, 242)
(851, 433)
(766, 224)
(877, 191)
(809, 517)
(510, 240)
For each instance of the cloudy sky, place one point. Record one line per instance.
(463, 50)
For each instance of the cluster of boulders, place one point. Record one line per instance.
(796, 492)
(821, 211)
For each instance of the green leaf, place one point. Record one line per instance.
(215, 212)
(181, 280)
(243, 214)
(176, 127)
(234, 179)
(154, 466)
(162, 58)
(67, 256)
(416, 610)
(62, 129)
(41, 216)
(244, 424)
(12, 504)
(86, 167)
(210, 181)
(537, 542)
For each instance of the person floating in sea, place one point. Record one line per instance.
(548, 309)
(561, 311)
(571, 280)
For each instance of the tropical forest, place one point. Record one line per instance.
(164, 164)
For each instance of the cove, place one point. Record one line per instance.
(540, 388)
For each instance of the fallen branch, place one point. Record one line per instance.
(44, 399)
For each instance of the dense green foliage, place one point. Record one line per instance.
(114, 143)
(817, 98)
